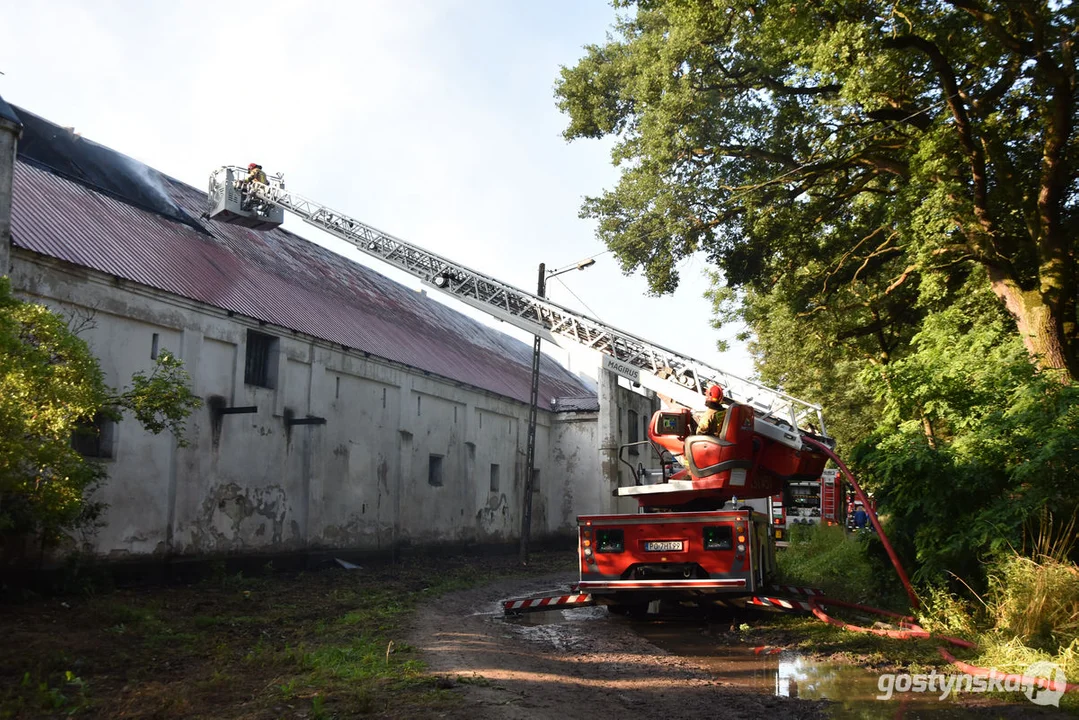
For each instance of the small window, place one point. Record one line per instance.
(494, 477)
(434, 470)
(261, 365)
(153, 347)
(535, 481)
(95, 439)
(634, 426)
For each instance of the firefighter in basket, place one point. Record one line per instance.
(255, 174)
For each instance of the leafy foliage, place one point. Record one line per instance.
(51, 387)
(888, 194)
(972, 444)
(835, 155)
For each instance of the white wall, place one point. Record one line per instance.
(249, 482)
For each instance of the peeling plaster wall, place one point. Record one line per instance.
(580, 472)
(576, 468)
(250, 481)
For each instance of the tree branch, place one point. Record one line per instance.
(950, 86)
(918, 118)
(975, 10)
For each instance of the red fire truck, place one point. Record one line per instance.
(696, 537)
(810, 502)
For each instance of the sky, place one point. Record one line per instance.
(432, 120)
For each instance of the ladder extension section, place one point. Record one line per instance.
(540, 316)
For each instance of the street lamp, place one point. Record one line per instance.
(530, 458)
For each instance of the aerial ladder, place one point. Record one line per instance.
(682, 540)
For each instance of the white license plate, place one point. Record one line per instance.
(663, 546)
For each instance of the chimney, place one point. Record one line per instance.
(10, 130)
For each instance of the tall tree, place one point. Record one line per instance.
(847, 151)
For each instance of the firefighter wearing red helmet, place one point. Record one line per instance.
(711, 423)
(255, 173)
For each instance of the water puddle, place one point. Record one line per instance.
(854, 690)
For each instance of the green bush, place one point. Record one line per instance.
(52, 388)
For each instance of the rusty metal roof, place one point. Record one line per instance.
(275, 276)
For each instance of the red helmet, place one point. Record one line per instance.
(252, 166)
(714, 394)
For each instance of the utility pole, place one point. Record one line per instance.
(533, 409)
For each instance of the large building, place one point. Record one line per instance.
(341, 409)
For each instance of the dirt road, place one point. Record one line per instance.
(580, 666)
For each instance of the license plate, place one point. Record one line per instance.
(663, 546)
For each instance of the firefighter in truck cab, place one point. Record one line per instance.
(711, 421)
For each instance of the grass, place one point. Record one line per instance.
(841, 564)
(321, 644)
(1029, 614)
(813, 638)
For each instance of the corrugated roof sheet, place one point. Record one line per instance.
(276, 276)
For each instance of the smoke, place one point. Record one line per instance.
(153, 184)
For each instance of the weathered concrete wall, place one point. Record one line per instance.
(251, 482)
(9, 137)
(587, 478)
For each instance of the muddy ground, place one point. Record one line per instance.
(587, 666)
(585, 663)
(418, 639)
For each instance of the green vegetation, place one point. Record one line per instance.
(52, 388)
(855, 161)
(322, 643)
(1029, 613)
(850, 567)
(886, 192)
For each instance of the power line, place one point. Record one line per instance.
(593, 312)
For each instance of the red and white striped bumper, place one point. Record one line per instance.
(550, 602)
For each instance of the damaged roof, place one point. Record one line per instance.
(86, 204)
(7, 113)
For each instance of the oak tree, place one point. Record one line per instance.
(857, 155)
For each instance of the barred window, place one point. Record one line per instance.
(261, 360)
(434, 470)
(95, 439)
